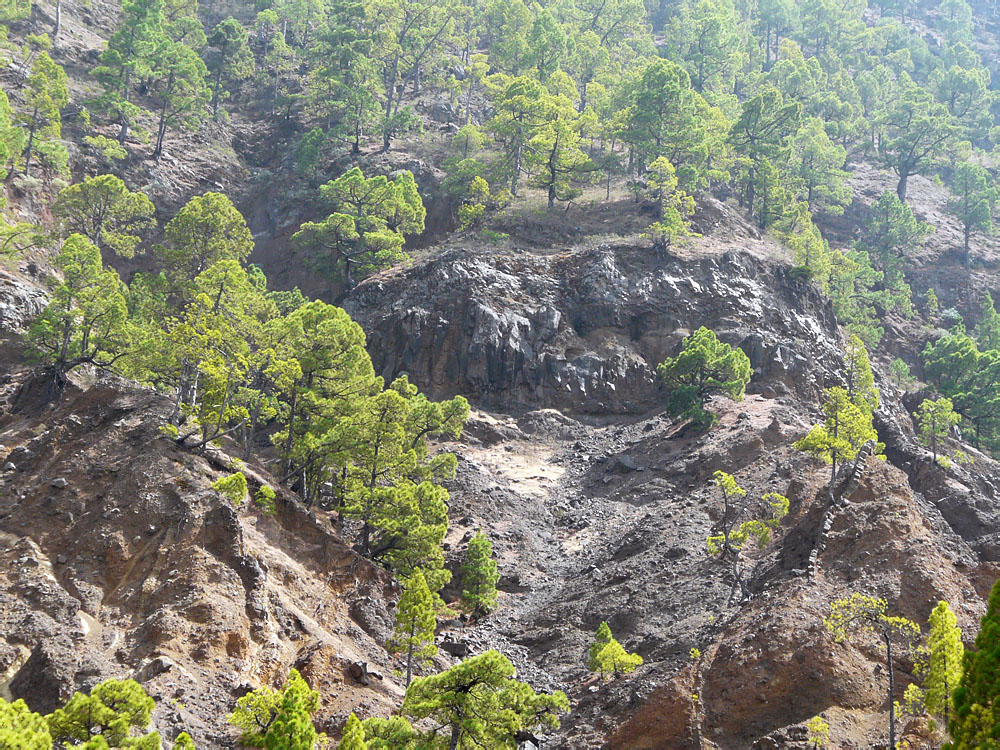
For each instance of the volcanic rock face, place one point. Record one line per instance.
(20, 302)
(583, 330)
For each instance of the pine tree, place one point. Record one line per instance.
(177, 82)
(742, 520)
(207, 229)
(481, 704)
(21, 728)
(931, 305)
(480, 576)
(891, 232)
(945, 654)
(415, 622)
(613, 659)
(280, 717)
(601, 639)
(858, 374)
(522, 108)
(46, 92)
(704, 367)
(988, 327)
(393, 733)
(975, 723)
(554, 155)
(231, 59)
(817, 162)
(974, 202)
(106, 212)
(184, 742)
(113, 711)
(292, 727)
(370, 220)
(761, 135)
(847, 427)
(918, 132)
(607, 656)
(674, 206)
(354, 735)
(935, 418)
(86, 320)
(899, 373)
(128, 60)
(664, 116)
(859, 614)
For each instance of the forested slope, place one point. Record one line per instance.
(365, 359)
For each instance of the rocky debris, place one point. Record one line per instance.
(360, 673)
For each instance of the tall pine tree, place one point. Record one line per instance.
(415, 622)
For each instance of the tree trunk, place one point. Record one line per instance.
(552, 173)
(967, 232)
(901, 186)
(122, 117)
(390, 95)
(947, 697)
(291, 433)
(218, 83)
(252, 429)
(31, 143)
(58, 26)
(161, 131)
(892, 691)
(517, 171)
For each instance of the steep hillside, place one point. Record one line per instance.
(411, 266)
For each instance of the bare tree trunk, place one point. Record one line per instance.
(892, 691)
(31, 143)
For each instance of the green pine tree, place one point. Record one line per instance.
(847, 427)
(601, 638)
(935, 418)
(110, 715)
(21, 728)
(859, 614)
(292, 728)
(480, 704)
(705, 366)
(415, 622)
(945, 654)
(975, 723)
(184, 742)
(278, 719)
(613, 659)
(354, 735)
(480, 576)
(105, 211)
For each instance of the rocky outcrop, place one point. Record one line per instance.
(20, 302)
(583, 330)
